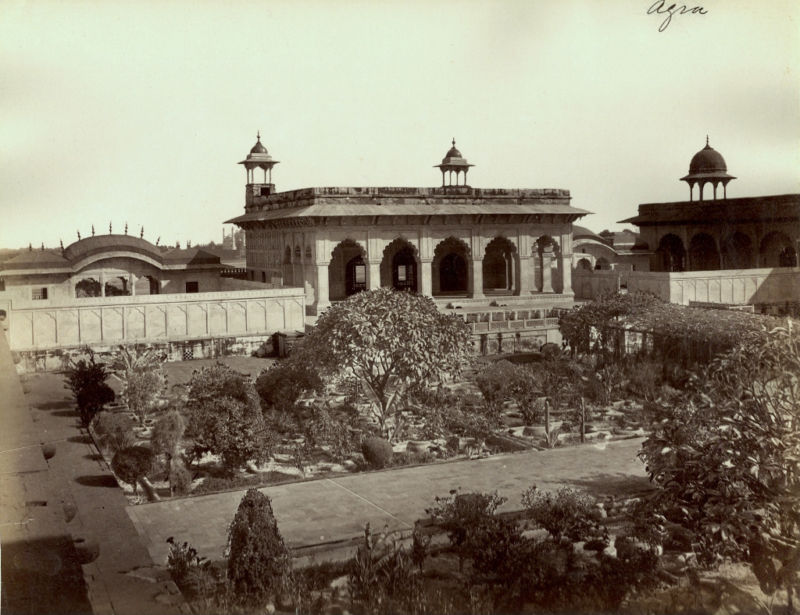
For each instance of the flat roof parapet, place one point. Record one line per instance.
(307, 196)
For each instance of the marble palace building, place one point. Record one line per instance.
(453, 242)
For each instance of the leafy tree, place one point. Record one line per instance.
(389, 340)
(258, 560)
(167, 434)
(282, 385)
(143, 379)
(726, 458)
(87, 381)
(132, 464)
(224, 417)
(114, 430)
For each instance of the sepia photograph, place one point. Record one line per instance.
(506, 319)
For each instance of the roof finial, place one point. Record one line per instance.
(79, 235)
(706, 140)
(454, 141)
(258, 135)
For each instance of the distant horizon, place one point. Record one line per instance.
(139, 113)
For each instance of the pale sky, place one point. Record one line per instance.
(138, 112)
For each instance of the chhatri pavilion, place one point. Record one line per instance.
(458, 244)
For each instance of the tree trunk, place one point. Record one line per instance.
(547, 419)
(583, 420)
(149, 489)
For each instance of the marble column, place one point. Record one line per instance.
(566, 273)
(321, 288)
(476, 281)
(547, 272)
(426, 277)
(374, 275)
(525, 273)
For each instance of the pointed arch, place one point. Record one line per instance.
(737, 251)
(776, 250)
(347, 271)
(500, 266)
(400, 266)
(703, 253)
(451, 268)
(671, 254)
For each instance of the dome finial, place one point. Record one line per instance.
(258, 135)
(454, 141)
(707, 141)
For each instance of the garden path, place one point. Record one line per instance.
(328, 511)
(122, 580)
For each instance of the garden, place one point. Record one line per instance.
(364, 390)
(385, 379)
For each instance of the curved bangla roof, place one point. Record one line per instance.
(97, 245)
(101, 243)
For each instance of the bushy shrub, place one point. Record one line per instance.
(193, 574)
(644, 379)
(282, 385)
(132, 464)
(566, 513)
(224, 417)
(525, 389)
(258, 560)
(335, 435)
(377, 452)
(463, 516)
(494, 383)
(381, 578)
(114, 430)
(180, 479)
(87, 381)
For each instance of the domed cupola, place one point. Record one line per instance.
(708, 167)
(259, 158)
(454, 162)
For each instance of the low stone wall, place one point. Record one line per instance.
(740, 286)
(763, 288)
(591, 284)
(156, 319)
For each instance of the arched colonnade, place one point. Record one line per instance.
(454, 270)
(735, 250)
